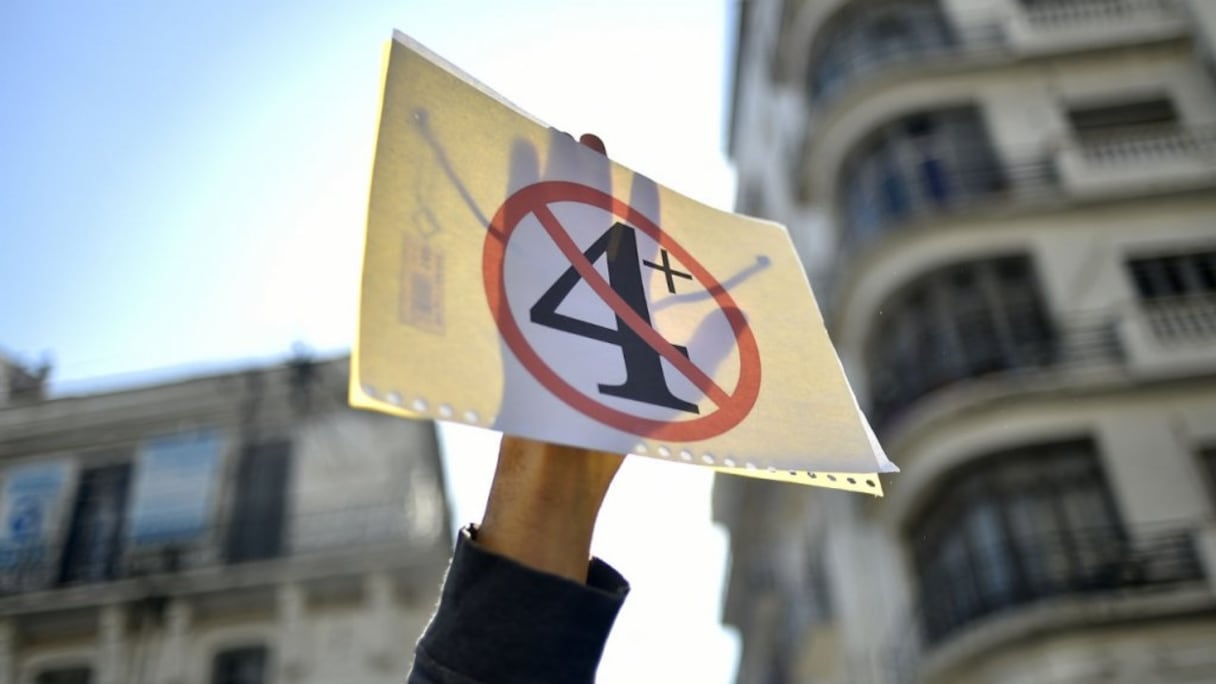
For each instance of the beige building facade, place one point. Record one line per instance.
(1007, 209)
(240, 528)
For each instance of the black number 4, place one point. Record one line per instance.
(644, 380)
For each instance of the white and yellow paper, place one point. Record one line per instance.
(517, 280)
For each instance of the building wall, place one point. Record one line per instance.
(1146, 397)
(337, 590)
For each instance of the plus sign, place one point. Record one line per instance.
(668, 271)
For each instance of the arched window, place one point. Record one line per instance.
(1014, 527)
(919, 164)
(867, 36)
(963, 321)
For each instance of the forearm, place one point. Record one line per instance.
(522, 601)
(543, 505)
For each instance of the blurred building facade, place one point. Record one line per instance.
(234, 529)
(1007, 209)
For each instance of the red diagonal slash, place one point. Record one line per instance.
(625, 312)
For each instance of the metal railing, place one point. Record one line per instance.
(1079, 343)
(1067, 13)
(1078, 564)
(972, 39)
(1152, 144)
(930, 190)
(39, 566)
(1182, 320)
(962, 36)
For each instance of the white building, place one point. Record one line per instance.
(1008, 211)
(242, 528)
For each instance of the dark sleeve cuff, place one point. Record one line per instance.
(500, 621)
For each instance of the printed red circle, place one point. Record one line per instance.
(535, 199)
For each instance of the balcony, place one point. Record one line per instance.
(866, 40)
(1060, 25)
(1139, 160)
(318, 542)
(1186, 320)
(861, 43)
(1055, 583)
(927, 165)
(915, 192)
(981, 325)
(994, 366)
(1064, 13)
(1097, 561)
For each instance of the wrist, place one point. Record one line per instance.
(543, 505)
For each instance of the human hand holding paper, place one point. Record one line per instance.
(545, 497)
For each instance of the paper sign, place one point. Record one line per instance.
(517, 280)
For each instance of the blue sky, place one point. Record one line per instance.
(183, 185)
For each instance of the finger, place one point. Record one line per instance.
(593, 141)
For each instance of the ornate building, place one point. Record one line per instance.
(1008, 211)
(233, 529)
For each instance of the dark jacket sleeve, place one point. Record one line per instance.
(501, 622)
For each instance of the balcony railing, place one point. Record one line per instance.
(1066, 13)
(915, 192)
(39, 566)
(963, 36)
(1188, 319)
(1091, 564)
(1089, 341)
(969, 40)
(1086, 562)
(1150, 144)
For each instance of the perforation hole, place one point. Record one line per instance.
(445, 410)
(419, 405)
(707, 459)
(640, 449)
(664, 451)
(728, 462)
(686, 455)
(394, 398)
(471, 417)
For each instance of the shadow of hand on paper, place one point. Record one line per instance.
(531, 405)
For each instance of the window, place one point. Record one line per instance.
(1176, 275)
(255, 530)
(95, 539)
(926, 162)
(240, 666)
(1013, 527)
(1207, 457)
(959, 322)
(1177, 296)
(863, 39)
(70, 675)
(1104, 118)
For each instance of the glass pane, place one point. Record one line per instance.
(240, 666)
(992, 558)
